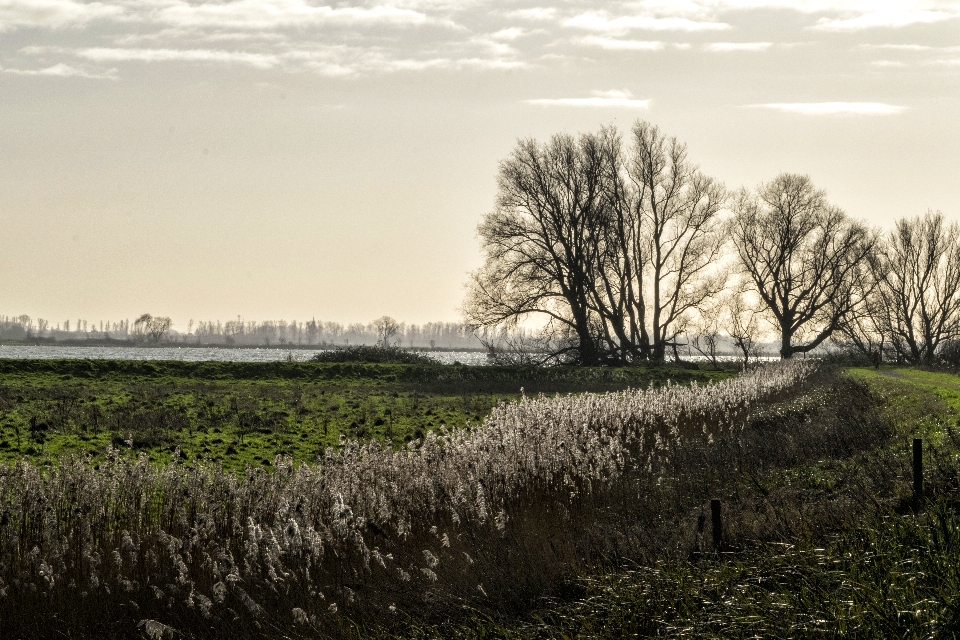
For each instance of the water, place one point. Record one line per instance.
(199, 354)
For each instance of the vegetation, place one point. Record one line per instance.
(378, 353)
(573, 516)
(543, 488)
(889, 569)
(618, 246)
(239, 414)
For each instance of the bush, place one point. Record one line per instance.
(378, 354)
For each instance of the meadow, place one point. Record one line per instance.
(242, 414)
(583, 515)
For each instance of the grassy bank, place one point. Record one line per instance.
(245, 414)
(889, 567)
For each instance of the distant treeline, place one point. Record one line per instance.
(240, 332)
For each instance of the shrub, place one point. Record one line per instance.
(379, 354)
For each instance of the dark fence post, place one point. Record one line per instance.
(917, 468)
(715, 517)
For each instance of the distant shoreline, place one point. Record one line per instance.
(110, 342)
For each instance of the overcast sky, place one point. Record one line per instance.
(290, 159)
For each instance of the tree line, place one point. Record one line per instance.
(623, 250)
(151, 329)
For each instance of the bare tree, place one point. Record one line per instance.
(615, 249)
(386, 327)
(742, 323)
(148, 327)
(706, 335)
(805, 258)
(918, 269)
(141, 326)
(540, 241)
(676, 217)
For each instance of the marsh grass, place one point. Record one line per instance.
(858, 558)
(546, 489)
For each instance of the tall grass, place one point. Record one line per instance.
(496, 513)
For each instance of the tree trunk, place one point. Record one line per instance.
(786, 348)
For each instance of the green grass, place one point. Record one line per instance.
(241, 414)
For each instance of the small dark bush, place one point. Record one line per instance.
(379, 354)
(949, 354)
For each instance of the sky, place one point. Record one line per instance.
(295, 159)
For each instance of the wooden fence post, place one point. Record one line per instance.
(917, 468)
(717, 528)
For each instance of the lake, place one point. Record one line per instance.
(199, 354)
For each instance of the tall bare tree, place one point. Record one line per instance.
(918, 301)
(676, 215)
(540, 240)
(615, 247)
(386, 327)
(805, 257)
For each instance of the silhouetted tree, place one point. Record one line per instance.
(918, 300)
(805, 257)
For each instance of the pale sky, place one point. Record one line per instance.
(291, 159)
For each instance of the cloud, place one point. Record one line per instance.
(832, 108)
(613, 44)
(53, 14)
(615, 98)
(64, 71)
(602, 22)
(888, 64)
(885, 18)
(536, 14)
(919, 48)
(273, 14)
(335, 61)
(727, 47)
(510, 33)
(105, 54)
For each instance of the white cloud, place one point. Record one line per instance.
(613, 44)
(832, 108)
(104, 54)
(603, 22)
(614, 98)
(888, 18)
(536, 14)
(64, 71)
(888, 64)
(908, 47)
(727, 47)
(272, 14)
(897, 47)
(510, 33)
(53, 14)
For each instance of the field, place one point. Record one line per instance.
(580, 515)
(243, 414)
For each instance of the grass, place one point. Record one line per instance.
(891, 569)
(896, 578)
(246, 414)
(822, 536)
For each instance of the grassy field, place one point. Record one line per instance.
(241, 414)
(890, 570)
(822, 536)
